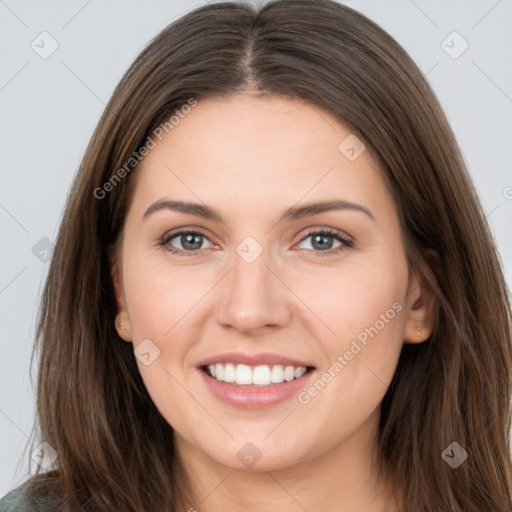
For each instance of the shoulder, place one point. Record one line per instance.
(20, 500)
(15, 500)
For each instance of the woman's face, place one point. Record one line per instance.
(265, 286)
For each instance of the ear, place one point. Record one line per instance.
(421, 304)
(122, 322)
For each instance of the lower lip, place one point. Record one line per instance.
(246, 397)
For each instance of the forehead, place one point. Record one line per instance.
(254, 151)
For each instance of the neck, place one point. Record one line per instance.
(345, 479)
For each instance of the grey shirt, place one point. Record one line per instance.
(18, 500)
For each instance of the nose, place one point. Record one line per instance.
(254, 296)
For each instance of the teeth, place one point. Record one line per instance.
(289, 373)
(300, 371)
(262, 375)
(243, 374)
(219, 372)
(277, 375)
(229, 373)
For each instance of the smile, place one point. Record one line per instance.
(255, 386)
(260, 376)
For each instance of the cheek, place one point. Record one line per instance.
(349, 301)
(363, 309)
(163, 305)
(160, 303)
(366, 310)
(158, 297)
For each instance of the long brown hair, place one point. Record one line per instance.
(115, 450)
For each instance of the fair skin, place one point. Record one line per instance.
(250, 159)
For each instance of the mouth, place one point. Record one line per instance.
(256, 385)
(254, 381)
(264, 375)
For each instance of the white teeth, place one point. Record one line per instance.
(229, 373)
(219, 371)
(277, 374)
(243, 374)
(262, 375)
(300, 371)
(289, 373)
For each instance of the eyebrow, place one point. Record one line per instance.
(290, 214)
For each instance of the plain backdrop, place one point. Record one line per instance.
(50, 104)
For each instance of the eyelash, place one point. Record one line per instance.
(346, 243)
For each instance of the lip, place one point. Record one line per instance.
(254, 360)
(248, 397)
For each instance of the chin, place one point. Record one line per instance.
(255, 457)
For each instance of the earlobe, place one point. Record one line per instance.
(122, 330)
(419, 335)
(122, 322)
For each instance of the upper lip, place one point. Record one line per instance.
(253, 359)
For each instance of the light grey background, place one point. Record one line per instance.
(49, 108)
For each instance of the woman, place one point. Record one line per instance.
(274, 287)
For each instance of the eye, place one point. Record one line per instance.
(322, 241)
(189, 242)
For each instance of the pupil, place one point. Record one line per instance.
(189, 240)
(323, 244)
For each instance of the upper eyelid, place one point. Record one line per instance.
(181, 231)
